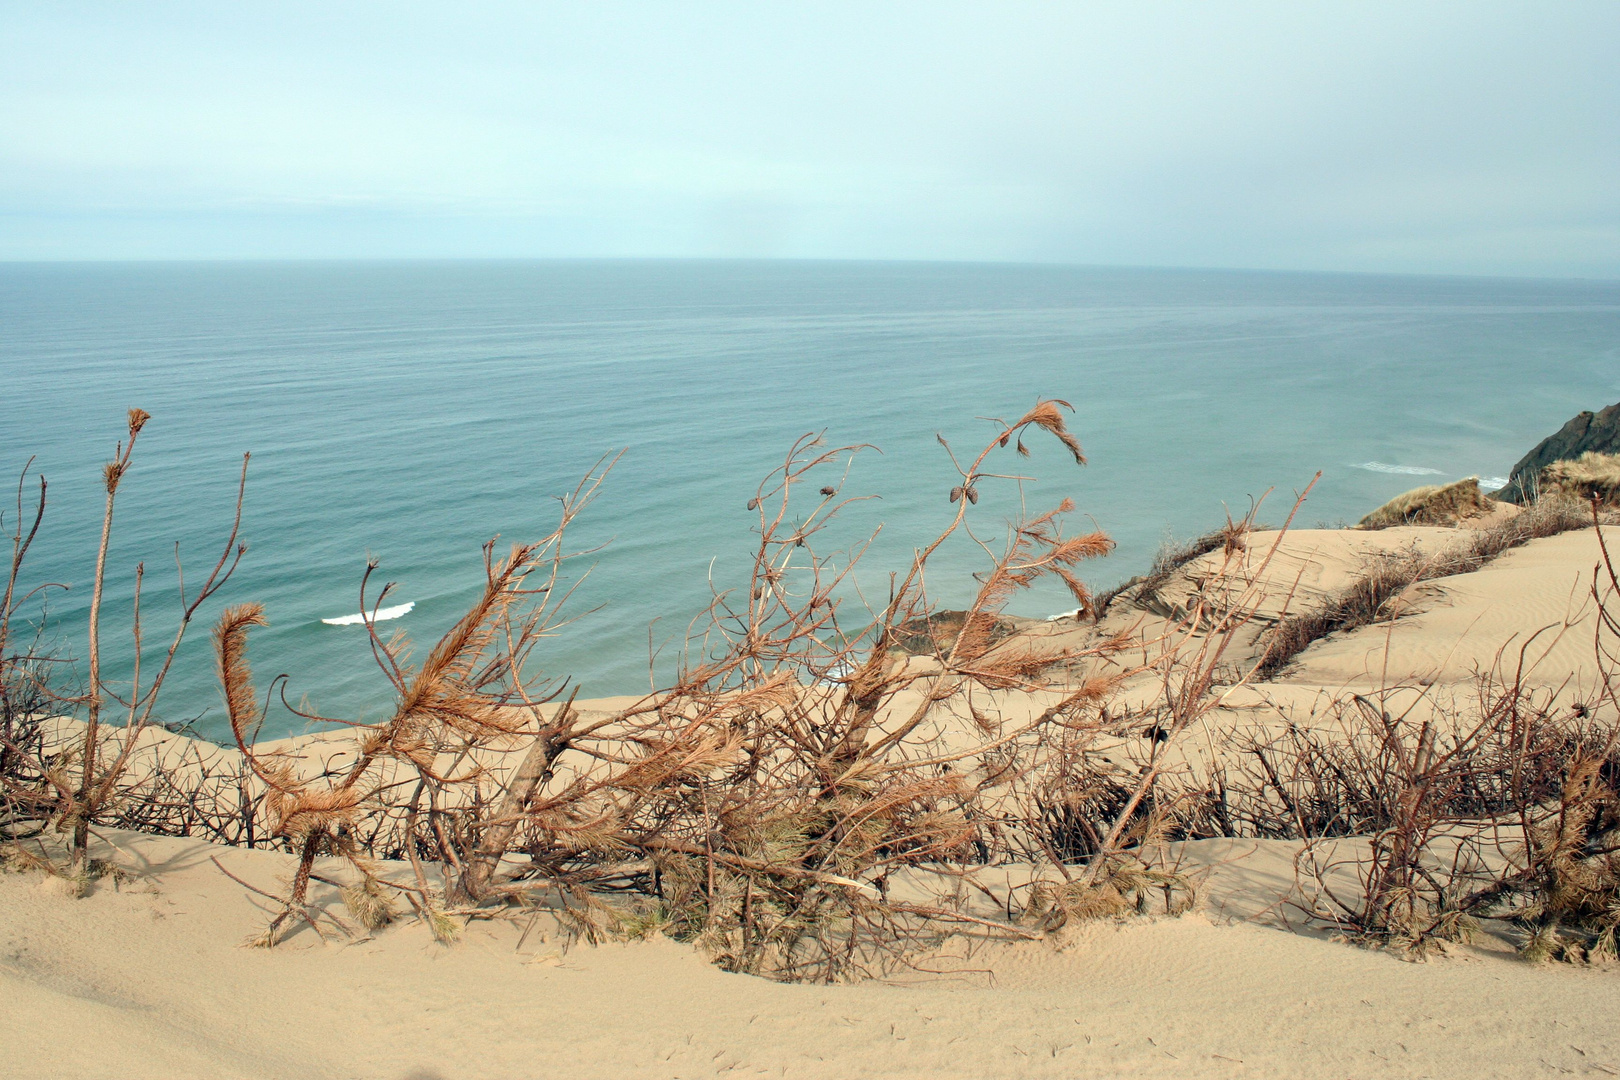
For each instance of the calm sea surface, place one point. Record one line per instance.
(411, 411)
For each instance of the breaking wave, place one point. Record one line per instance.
(362, 616)
(1404, 470)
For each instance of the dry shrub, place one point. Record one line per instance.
(1565, 879)
(1342, 774)
(1302, 783)
(1506, 811)
(1567, 897)
(466, 702)
(821, 790)
(26, 767)
(759, 805)
(1432, 505)
(1102, 828)
(25, 698)
(63, 778)
(835, 826)
(818, 792)
(1171, 556)
(1100, 801)
(1431, 796)
(70, 787)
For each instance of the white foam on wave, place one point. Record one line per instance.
(1492, 483)
(363, 616)
(1403, 470)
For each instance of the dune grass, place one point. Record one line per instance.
(1432, 505)
(1172, 556)
(1590, 476)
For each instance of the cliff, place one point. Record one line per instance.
(1597, 432)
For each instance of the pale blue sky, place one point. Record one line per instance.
(1455, 138)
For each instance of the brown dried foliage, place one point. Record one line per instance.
(1504, 810)
(806, 800)
(72, 788)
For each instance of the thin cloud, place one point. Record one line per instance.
(1468, 138)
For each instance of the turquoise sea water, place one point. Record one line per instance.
(413, 410)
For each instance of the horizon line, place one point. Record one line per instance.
(757, 259)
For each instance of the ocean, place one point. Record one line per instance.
(410, 411)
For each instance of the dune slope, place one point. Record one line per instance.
(150, 980)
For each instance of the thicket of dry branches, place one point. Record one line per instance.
(1503, 808)
(832, 785)
(809, 799)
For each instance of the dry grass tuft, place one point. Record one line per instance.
(1432, 505)
(368, 904)
(938, 630)
(1570, 892)
(1547, 516)
(1588, 477)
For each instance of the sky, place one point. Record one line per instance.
(1466, 138)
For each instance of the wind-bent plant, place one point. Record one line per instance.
(79, 792)
(766, 803)
(469, 699)
(25, 678)
(857, 765)
(97, 783)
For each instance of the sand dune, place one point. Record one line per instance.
(149, 981)
(1536, 596)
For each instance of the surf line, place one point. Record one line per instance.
(1403, 470)
(362, 616)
